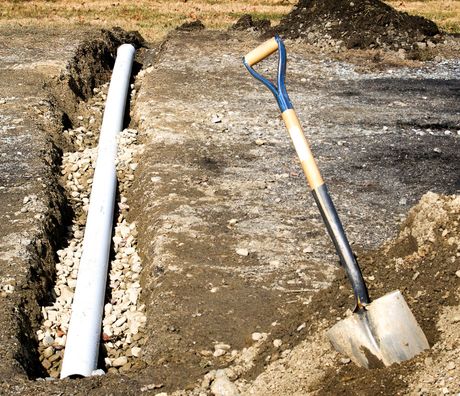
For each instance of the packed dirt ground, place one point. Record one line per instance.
(236, 279)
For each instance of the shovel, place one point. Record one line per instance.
(378, 333)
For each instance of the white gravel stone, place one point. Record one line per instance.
(242, 252)
(308, 249)
(61, 340)
(108, 320)
(223, 346)
(108, 309)
(216, 118)
(219, 352)
(258, 336)
(222, 386)
(136, 351)
(120, 361)
(277, 343)
(301, 327)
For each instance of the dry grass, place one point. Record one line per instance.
(154, 18)
(446, 13)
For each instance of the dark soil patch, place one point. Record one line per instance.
(355, 24)
(94, 60)
(246, 22)
(191, 26)
(90, 67)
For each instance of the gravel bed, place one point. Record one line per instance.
(123, 320)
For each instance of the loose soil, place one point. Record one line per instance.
(422, 263)
(356, 24)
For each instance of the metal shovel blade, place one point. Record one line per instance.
(383, 333)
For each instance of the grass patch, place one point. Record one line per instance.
(446, 13)
(154, 18)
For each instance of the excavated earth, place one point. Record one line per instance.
(360, 24)
(239, 280)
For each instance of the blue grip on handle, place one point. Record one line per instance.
(279, 91)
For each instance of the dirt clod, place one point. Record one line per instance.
(191, 26)
(246, 22)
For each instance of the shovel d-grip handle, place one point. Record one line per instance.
(309, 166)
(261, 52)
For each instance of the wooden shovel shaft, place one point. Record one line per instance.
(326, 207)
(302, 148)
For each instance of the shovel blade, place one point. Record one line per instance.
(386, 332)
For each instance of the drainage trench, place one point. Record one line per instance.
(121, 336)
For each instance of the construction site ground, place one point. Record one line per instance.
(235, 257)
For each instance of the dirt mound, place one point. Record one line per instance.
(422, 262)
(191, 26)
(356, 24)
(246, 22)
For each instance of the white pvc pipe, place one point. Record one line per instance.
(82, 346)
